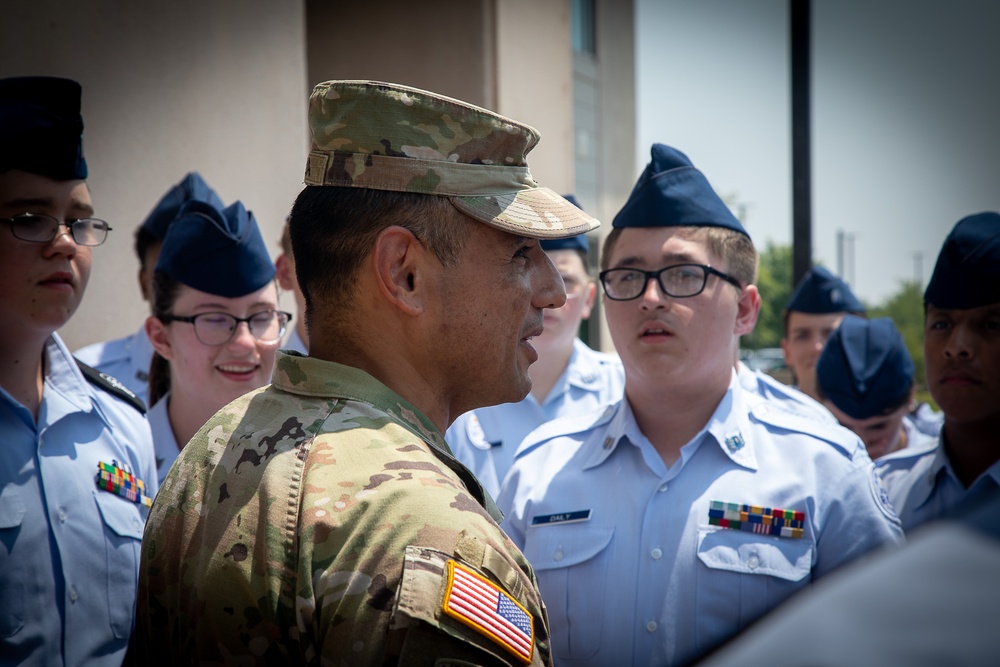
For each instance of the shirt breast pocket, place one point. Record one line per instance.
(743, 575)
(571, 564)
(12, 513)
(123, 532)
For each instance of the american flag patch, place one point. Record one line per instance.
(485, 607)
(111, 477)
(756, 519)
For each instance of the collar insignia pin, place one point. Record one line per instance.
(734, 443)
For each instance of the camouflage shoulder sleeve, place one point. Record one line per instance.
(471, 607)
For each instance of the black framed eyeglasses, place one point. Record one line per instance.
(214, 329)
(40, 228)
(679, 281)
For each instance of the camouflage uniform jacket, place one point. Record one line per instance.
(320, 521)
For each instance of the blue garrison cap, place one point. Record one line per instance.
(578, 242)
(967, 273)
(865, 369)
(41, 129)
(670, 192)
(820, 292)
(191, 188)
(218, 251)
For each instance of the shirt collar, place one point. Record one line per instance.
(310, 376)
(729, 426)
(66, 390)
(940, 470)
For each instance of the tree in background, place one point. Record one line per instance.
(774, 282)
(905, 307)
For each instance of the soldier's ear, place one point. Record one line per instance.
(156, 331)
(398, 262)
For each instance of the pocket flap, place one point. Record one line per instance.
(556, 546)
(120, 515)
(749, 553)
(11, 508)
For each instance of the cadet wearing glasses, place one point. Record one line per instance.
(213, 276)
(687, 510)
(69, 537)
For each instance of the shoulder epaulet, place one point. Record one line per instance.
(112, 385)
(568, 425)
(775, 415)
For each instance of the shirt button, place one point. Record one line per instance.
(651, 626)
(72, 593)
(558, 555)
(656, 553)
(753, 562)
(663, 487)
(62, 515)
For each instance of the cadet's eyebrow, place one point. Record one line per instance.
(679, 258)
(28, 203)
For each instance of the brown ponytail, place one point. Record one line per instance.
(165, 291)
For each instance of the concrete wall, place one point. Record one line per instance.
(511, 56)
(168, 87)
(440, 45)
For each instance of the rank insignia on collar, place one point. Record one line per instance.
(734, 443)
(485, 607)
(119, 480)
(756, 519)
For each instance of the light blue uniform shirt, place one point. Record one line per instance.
(126, 359)
(923, 486)
(790, 398)
(486, 440)
(69, 551)
(632, 572)
(927, 420)
(164, 441)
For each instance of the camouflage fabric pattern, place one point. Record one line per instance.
(383, 136)
(288, 526)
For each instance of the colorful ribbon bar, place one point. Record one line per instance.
(756, 519)
(111, 477)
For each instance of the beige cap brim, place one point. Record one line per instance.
(538, 213)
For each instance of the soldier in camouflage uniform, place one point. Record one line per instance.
(322, 519)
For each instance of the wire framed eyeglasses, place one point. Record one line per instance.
(40, 228)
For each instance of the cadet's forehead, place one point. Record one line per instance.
(35, 192)
(655, 244)
(564, 258)
(989, 311)
(800, 320)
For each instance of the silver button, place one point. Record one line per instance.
(656, 553)
(651, 626)
(753, 562)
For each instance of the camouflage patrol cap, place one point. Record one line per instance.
(384, 136)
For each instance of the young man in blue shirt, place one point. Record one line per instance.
(684, 512)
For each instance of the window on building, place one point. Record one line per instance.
(582, 25)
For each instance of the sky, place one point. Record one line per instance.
(905, 102)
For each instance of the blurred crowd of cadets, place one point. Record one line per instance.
(761, 349)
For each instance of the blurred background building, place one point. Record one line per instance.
(221, 87)
(904, 100)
